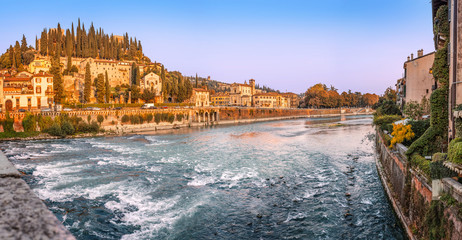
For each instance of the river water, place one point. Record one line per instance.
(295, 179)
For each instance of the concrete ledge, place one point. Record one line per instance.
(453, 188)
(7, 169)
(22, 214)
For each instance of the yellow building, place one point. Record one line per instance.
(27, 91)
(220, 99)
(118, 72)
(200, 97)
(39, 65)
(294, 99)
(270, 100)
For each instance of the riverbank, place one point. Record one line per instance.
(119, 123)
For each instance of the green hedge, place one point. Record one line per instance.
(434, 138)
(417, 161)
(437, 169)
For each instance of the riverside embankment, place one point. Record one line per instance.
(427, 203)
(126, 121)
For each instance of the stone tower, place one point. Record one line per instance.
(252, 84)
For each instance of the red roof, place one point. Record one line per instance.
(16, 79)
(199, 90)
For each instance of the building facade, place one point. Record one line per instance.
(418, 81)
(27, 91)
(153, 83)
(241, 94)
(119, 73)
(200, 97)
(220, 99)
(293, 98)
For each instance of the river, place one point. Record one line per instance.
(293, 179)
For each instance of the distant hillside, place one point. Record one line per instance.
(94, 43)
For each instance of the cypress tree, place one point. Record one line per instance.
(73, 40)
(133, 74)
(196, 81)
(23, 44)
(87, 89)
(107, 89)
(57, 79)
(50, 42)
(17, 55)
(43, 42)
(100, 91)
(36, 43)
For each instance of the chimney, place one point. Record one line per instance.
(412, 56)
(420, 53)
(408, 58)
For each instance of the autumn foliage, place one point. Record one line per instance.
(320, 96)
(400, 133)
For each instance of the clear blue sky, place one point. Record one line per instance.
(287, 45)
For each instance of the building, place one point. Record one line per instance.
(27, 91)
(293, 98)
(153, 83)
(271, 100)
(400, 83)
(417, 82)
(220, 99)
(241, 94)
(119, 73)
(39, 65)
(200, 97)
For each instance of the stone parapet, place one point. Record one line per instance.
(22, 214)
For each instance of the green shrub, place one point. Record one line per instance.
(100, 119)
(67, 128)
(28, 123)
(141, 118)
(164, 117)
(8, 123)
(386, 139)
(419, 162)
(437, 169)
(55, 130)
(434, 138)
(88, 118)
(94, 127)
(387, 127)
(386, 119)
(419, 128)
(135, 119)
(388, 107)
(149, 117)
(179, 117)
(45, 122)
(125, 119)
(171, 118)
(455, 150)
(157, 118)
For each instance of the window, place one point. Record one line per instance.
(38, 80)
(39, 89)
(49, 80)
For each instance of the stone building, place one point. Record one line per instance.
(39, 65)
(153, 83)
(220, 99)
(200, 97)
(417, 82)
(293, 98)
(241, 94)
(26, 91)
(271, 100)
(118, 72)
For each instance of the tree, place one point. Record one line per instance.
(148, 95)
(107, 89)
(23, 44)
(58, 85)
(87, 88)
(43, 42)
(100, 88)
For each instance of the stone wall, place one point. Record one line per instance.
(411, 196)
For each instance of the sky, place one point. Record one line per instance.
(288, 45)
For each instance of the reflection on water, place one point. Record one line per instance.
(273, 180)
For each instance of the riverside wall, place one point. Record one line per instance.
(190, 117)
(412, 197)
(22, 214)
